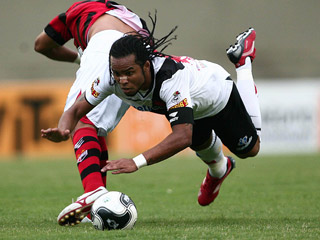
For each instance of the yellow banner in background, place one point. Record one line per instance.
(27, 107)
(138, 131)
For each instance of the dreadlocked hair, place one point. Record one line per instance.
(143, 46)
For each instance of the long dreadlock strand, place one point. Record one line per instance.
(143, 46)
(156, 43)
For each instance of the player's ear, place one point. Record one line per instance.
(146, 66)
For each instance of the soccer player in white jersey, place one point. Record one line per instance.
(198, 98)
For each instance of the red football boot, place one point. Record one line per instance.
(210, 186)
(243, 48)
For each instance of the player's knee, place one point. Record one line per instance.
(252, 153)
(81, 125)
(212, 151)
(205, 145)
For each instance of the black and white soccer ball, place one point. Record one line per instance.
(113, 210)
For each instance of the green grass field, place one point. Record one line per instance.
(264, 198)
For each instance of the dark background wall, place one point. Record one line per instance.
(288, 35)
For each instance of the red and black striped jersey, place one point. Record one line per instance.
(76, 21)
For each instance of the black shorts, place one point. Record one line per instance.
(232, 124)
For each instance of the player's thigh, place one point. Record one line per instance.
(201, 135)
(107, 114)
(234, 126)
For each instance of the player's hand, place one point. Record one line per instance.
(55, 134)
(123, 165)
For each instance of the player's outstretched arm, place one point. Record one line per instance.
(49, 48)
(68, 121)
(179, 139)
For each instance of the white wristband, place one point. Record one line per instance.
(78, 59)
(140, 161)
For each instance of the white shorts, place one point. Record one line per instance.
(94, 64)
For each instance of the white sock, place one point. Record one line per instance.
(213, 156)
(219, 168)
(247, 90)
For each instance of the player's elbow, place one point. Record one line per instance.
(42, 46)
(184, 135)
(181, 144)
(185, 143)
(39, 47)
(186, 140)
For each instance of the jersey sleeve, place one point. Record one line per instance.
(98, 91)
(175, 92)
(58, 30)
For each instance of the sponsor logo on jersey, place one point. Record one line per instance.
(183, 103)
(93, 91)
(176, 97)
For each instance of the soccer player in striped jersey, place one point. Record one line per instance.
(93, 26)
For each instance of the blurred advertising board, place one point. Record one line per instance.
(27, 107)
(290, 115)
(290, 119)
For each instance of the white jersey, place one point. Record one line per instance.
(94, 63)
(178, 82)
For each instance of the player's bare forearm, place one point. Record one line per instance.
(62, 54)
(179, 139)
(68, 121)
(70, 118)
